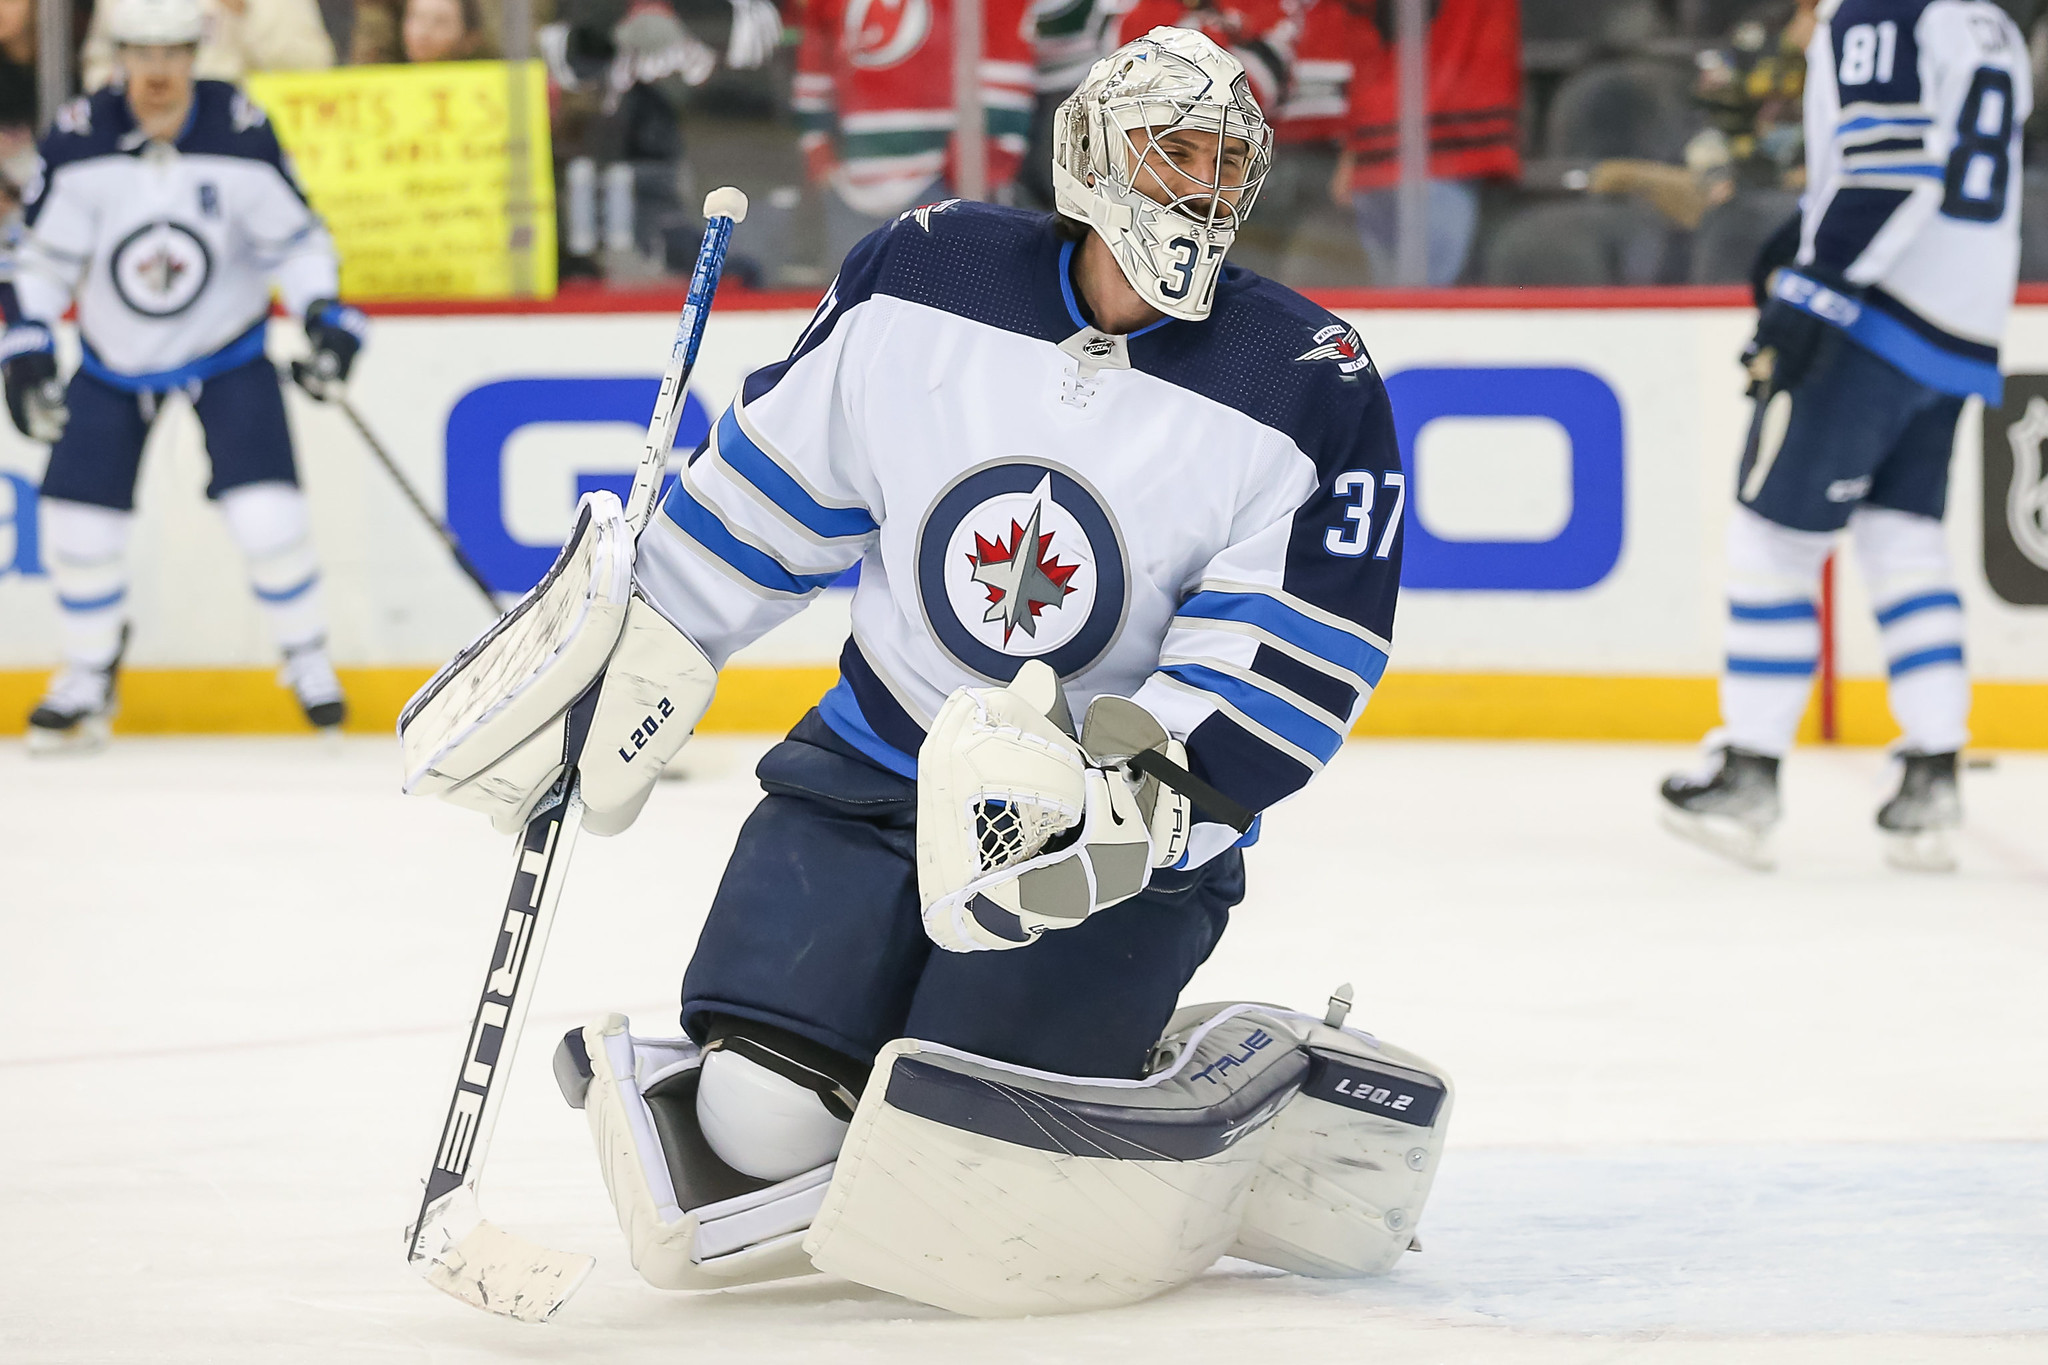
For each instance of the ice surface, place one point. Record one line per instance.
(1704, 1114)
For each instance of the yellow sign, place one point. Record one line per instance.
(435, 179)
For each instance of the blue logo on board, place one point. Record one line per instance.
(1588, 546)
(1020, 559)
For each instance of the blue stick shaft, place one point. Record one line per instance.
(682, 357)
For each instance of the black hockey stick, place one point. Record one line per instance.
(312, 382)
(451, 1244)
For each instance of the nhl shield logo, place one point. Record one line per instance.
(2026, 496)
(2014, 510)
(1020, 559)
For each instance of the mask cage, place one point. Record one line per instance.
(1145, 123)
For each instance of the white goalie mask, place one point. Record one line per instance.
(1162, 150)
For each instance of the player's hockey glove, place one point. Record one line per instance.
(1021, 829)
(1804, 306)
(35, 396)
(336, 333)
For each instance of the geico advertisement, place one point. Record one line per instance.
(1570, 474)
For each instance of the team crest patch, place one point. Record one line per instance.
(922, 215)
(160, 269)
(1020, 559)
(1339, 343)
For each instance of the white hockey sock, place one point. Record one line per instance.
(270, 523)
(88, 549)
(1920, 621)
(1773, 630)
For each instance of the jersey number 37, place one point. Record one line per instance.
(1360, 489)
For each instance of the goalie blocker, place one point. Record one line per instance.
(995, 1190)
(583, 672)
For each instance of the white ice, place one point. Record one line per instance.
(1704, 1114)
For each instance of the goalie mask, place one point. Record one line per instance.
(1162, 150)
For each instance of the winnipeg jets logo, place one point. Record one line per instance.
(1019, 559)
(1022, 575)
(923, 216)
(1339, 343)
(160, 269)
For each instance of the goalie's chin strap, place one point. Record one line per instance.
(1208, 802)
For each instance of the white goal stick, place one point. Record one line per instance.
(451, 1243)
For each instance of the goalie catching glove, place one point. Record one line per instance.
(583, 673)
(1022, 829)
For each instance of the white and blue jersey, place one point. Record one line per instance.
(1914, 110)
(170, 252)
(1205, 516)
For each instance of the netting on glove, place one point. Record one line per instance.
(1007, 832)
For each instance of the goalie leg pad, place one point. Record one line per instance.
(691, 1221)
(997, 1191)
(1350, 1161)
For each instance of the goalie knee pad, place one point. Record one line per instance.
(771, 1104)
(690, 1220)
(584, 670)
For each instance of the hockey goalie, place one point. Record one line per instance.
(1129, 529)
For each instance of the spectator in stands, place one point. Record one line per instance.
(18, 111)
(875, 103)
(1475, 113)
(1297, 236)
(241, 36)
(1751, 89)
(444, 31)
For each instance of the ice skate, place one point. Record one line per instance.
(1730, 807)
(76, 714)
(310, 675)
(1917, 820)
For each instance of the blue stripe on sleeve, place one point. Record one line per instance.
(1927, 601)
(755, 465)
(1925, 170)
(91, 603)
(1283, 719)
(1857, 125)
(1282, 622)
(1784, 667)
(1940, 654)
(700, 524)
(1776, 611)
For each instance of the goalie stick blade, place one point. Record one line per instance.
(489, 1268)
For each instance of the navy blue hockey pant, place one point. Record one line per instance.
(815, 928)
(1860, 432)
(100, 453)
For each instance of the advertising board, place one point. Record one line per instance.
(1569, 475)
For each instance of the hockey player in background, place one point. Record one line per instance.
(1890, 317)
(166, 210)
(1083, 464)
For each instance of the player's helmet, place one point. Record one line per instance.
(1167, 228)
(155, 23)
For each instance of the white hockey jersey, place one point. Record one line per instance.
(1203, 515)
(1913, 117)
(169, 251)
